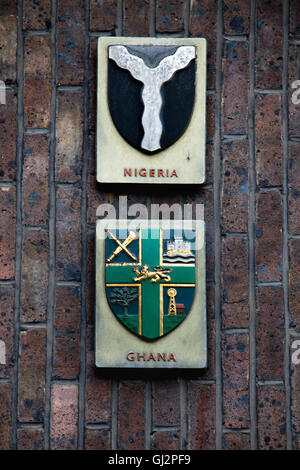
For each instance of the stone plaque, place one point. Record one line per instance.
(151, 101)
(150, 294)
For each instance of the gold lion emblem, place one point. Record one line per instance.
(158, 273)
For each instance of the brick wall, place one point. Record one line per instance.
(51, 394)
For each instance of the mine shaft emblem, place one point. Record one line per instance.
(149, 279)
(151, 93)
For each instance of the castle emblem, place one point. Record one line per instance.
(178, 251)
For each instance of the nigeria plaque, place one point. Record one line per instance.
(151, 100)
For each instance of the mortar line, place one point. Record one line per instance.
(183, 394)
(84, 255)
(186, 18)
(152, 28)
(285, 253)
(217, 214)
(148, 414)
(52, 233)
(251, 230)
(114, 414)
(19, 221)
(119, 28)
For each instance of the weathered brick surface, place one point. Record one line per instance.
(32, 376)
(68, 234)
(294, 188)
(294, 281)
(235, 308)
(203, 23)
(210, 372)
(69, 130)
(131, 423)
(166, 403)
(269, 237)
(235, 362)
(5, 416)
(169, 16)
(103, 15)
(269, 32)
(164, 440)
(66, 356)
(295, 381)
(7, 231)
(294, 94)
(270, 333)
(36, 180)
(294, 24)
(93, 83)
(201, 416)
(70, 42)
(268, 140)
(97, 439)
(30, 439)
(271, 418)
(8, 126)
(37, 81)
(236, 76)
(7, 328)
(64, 417)
(8, 40)
(90, 277)
(234, 196)
(236, 16)
(37, 14)
(236, 441)
(98, 388)
(35, 277)
(136, 18)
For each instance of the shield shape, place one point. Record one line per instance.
(151, 92)
(150, 278)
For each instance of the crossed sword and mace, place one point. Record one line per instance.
(144, 273)
(152, 79)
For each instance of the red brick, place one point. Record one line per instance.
(37, 14)
(235, 280)
(166, 403)
(209, 372)
(295, 382)
(169, 16)
(8, 125)
(7, 322)
(164, 440)
(234, 196)
(103, 15)
(294, 188)
(69, 129)
(269, 237)
(32, 372)
(270, 333)
(271, 404)
(91, 277)
(235, 361)
(236, 77)
(131, 423)
(268, 140)
(236, 441)
(7, 231)
(97, 439)
(210, 115)
(98, 387)
(93, 83)
(294, 281)
(66, 356)
(37, 81)
(203, 23)
(296, 442)
(5, 417)
(236, 16)
(30, 439)
(269, 34)
(35, 277)
(68, 234)
(70, 42)
(294, 19)
(64, 414)
(294, 94)
(36, 180)
(136, 18)
(8, 40)
(201, 416)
